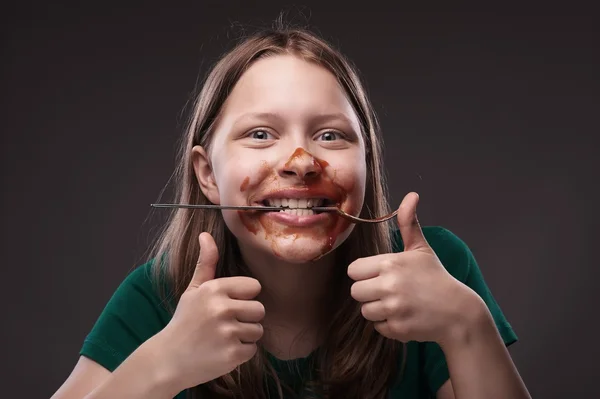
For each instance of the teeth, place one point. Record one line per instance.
(295, 203)
(299, 212)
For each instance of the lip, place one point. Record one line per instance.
(318, 191)
(298, 221)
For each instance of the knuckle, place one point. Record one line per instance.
(210, 287)
(399, 328)
(403, 310)
(395, 305)
(227, 331)
(387, 265)
(390, 305)
(219, 309)
(391, 284)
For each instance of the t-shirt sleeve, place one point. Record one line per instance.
(458, 259)
(134, 313)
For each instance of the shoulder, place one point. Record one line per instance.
(142, 274)
(452, 251)
(144, 281)
(144, 288)
(136, 311)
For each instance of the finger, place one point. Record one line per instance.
(370, 267)
(244, 352)
(410, 229)
(240, 287)
(361, 269)
(248, 311)
(207, 261)
(249, 332)
(373, 311)
(366, 268)
(383, 328)
(367, 290)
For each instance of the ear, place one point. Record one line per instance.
(204, 174)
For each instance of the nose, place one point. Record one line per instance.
(302, 164)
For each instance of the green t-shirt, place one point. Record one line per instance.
(136, 312)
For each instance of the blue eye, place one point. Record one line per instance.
(260, 135)
(330, 136)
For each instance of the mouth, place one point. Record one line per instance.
(298, 206)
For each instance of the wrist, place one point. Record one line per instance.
(162, 375)
(472, 323)
(144, 374)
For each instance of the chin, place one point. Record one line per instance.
(299, 240)
(301, 248)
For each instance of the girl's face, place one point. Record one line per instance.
(287, 136)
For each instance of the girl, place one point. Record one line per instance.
(295, 303)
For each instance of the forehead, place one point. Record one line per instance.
(290, 86)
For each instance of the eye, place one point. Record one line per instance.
(260, 134)
(330, 136)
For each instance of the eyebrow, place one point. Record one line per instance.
(277, 117)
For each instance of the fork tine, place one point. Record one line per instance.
(357, 219)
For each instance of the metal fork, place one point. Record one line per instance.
(347, 216)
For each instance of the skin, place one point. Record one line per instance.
(409, 295)
(259, 130)
(260, 133)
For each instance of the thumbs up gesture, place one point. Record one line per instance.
(409, 295)
(216, 324)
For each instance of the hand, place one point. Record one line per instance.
(409, 295)
(216, 323)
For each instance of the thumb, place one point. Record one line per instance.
(410, 229)
(207, 261)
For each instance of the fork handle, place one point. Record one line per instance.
(242, 207)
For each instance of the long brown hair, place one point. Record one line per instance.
(355, 361)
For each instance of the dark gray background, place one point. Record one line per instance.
(496, 112)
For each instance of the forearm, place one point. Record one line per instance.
(479, 363)
(141, 375)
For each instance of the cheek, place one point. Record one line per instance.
(232, 181)
(237, 180)
(351, 178)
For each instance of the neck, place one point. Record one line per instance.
(297, 300)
